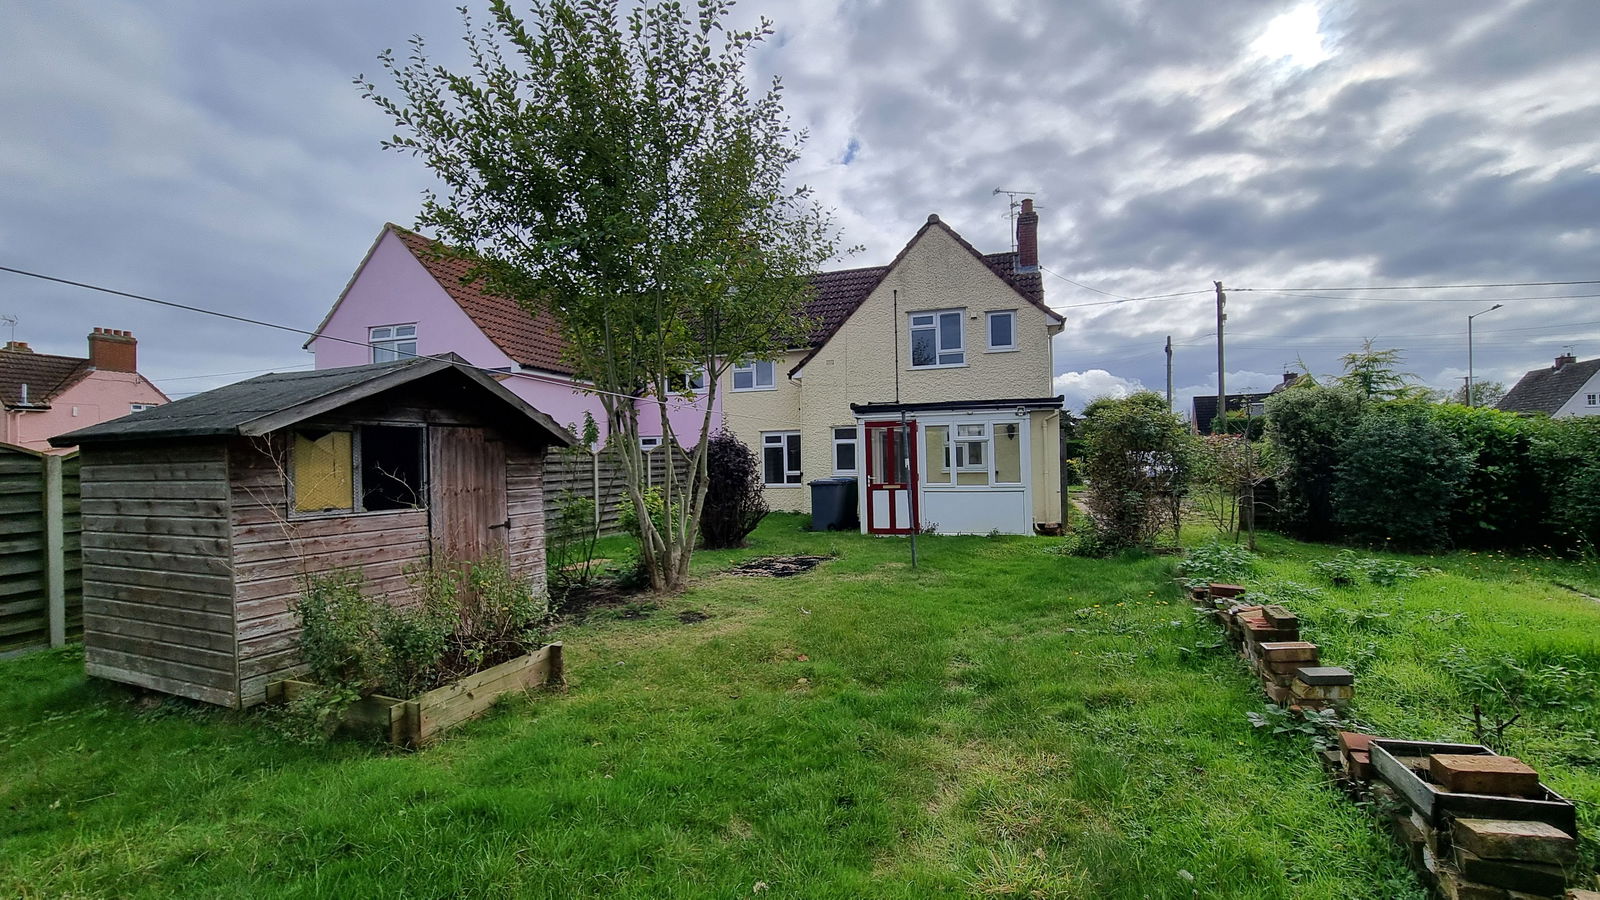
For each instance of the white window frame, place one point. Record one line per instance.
(930, 320)
(141, 407)
(392, 341)
(649, 443)
(988, 331)
(692, 383)
(770, 439)
(1593, 399)
(854, 440)
(960, 446)
(754, 369)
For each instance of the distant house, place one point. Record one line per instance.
(1205, 407)
(1568, 388)
(407, 299)
(44, 395)
(958, 343)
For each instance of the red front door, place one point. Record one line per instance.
(891, 477)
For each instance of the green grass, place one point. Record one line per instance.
(1003, 721)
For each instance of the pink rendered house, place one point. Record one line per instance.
(45, 395)
(405, 299)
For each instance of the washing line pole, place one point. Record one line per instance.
(1222, 368)
(905, 433)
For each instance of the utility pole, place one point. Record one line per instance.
(1222, 368)
(1169, 373)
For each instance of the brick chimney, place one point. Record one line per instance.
(112, 350)
(1565, 359)
(1027, 236)
(18, 347)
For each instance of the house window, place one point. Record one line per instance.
(141, 407)
(391, 467)
(780, 458)
(391, 342)
(1003, 330)
(374, 468)
(844, 451)
(649, 443)
(689, 383)
(938, 339)
(1258, 408)
(1593, 399)
(1008, 453)
(754, 376)
(972, 454)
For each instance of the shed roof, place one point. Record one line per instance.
(1546, 390)
(267, 403)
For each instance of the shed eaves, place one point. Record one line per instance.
(1547, 390)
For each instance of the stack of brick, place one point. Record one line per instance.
(1486, 859)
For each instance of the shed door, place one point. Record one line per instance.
(467, 474)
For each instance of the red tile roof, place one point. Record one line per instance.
(44, 374)
(533, 340)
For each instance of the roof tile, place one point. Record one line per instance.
(44, 374)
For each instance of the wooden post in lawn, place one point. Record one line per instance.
(55, 559)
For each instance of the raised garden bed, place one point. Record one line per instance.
(421, 720)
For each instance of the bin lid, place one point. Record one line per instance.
(836, 479)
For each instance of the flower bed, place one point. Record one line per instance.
(420, 720)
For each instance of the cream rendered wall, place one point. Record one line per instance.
(749, 413)
(859, 364)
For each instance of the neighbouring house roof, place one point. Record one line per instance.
(533, 340)
(1205, 407)
(45, 375)
(1546, 390)
(267, 403)
(876, 409)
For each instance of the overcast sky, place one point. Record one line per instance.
(218, 154)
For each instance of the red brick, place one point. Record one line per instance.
(1359, 765)
(1526, 841)
(1290, 651)
(1353, 741)
(1482, 774)
(1226, 590)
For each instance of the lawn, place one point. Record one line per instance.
(1002, 721)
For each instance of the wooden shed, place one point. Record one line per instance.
(201, 518)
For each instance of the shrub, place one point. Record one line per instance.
(734, 503)
(1306, 424)
(336, 626)
(1502, 499)
(1398, 476)
(1567, 455)
(570, 544)
(1137, 463)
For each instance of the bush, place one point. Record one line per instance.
(1399, 476)
(1567, 455)
(1306, 425)
(1503, 499)
(570, 544)
(734, 504)
(1137, 463)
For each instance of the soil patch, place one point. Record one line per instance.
(692, 617)
(777, 566)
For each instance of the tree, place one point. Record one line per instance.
(1229, 468)
(1374, 375)
(616, 172)
(1137, 462)
(1306, 425)
(1486, 393)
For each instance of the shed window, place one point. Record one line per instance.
(391, 467)
(938, 339)
(323, 476)
(392, 342)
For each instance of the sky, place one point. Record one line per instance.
(218, 154)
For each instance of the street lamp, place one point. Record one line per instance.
(1469, 350)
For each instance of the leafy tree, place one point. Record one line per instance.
(1487, 393)
(735, 503)
(616, 171)
(1374, 375)
(1567, 453)
(1138, 459)
(1503, 499)
(1306, 424)
(1229, 469)
(1399, 475)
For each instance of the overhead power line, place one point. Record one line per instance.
(1425, 287)
(1474, 299)
(1120, 298)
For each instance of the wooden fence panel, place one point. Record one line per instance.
(601, 478)
(40, 565)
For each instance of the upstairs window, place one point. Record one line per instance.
(754, 376)
(780, 458)
(1593, 399)
(649, 443)
(392, 342)
(688, 383)
(938, 339)
(1003, 330)
(141, 407)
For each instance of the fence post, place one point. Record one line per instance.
(594, 483)
(55, 552)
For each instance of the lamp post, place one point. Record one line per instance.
(1491, 309)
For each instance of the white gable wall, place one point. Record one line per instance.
(1578, 403)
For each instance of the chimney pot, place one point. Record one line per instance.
(1565, 359)
(18, 347)
(1027, 236)
(113, 351)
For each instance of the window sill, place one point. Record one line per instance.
(1002, 350)
(947, 366)
(782, 485)
(751, 390)
(296, 516)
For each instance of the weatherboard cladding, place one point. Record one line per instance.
(1547, 390)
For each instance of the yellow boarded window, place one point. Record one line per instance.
(323, 474)
(1008, 453)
